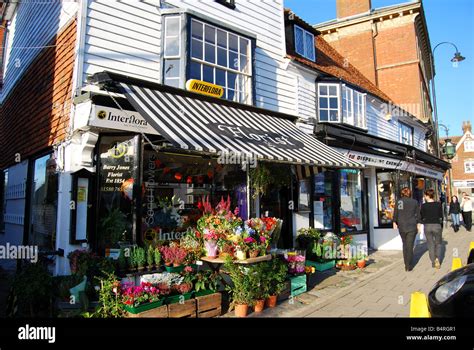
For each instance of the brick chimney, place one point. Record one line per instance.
(466, 126)
(347, 8)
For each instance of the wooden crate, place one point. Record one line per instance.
(184, 310)
(158, 312)
(285, 294)
(209, 305)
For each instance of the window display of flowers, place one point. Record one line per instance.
(135, 296)
(173, 255)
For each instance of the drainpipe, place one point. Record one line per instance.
(375, 33)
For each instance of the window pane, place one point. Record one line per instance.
(210, 33)
(221, 38)
(196, 49)
(210, 54)
(333, 116)
(323, 115)
(333, 103)
(231, 95)
(196, 29)
(233, 60)
(172, 46)
(172, 69)
(386, 197)
(208, 74)
(333, 90)
(220, 77)
(195, 70)
(172, 82)
(323, 102)
(233, 42)
(351, 201)
(243, 64)
(221, 57)
(299, 41)
(244, 46)
(172, 26)
(323, 90)
(232, 80)
(309, 45)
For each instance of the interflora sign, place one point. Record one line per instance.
(204, 88)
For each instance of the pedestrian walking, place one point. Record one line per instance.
(466, 206)
(405, 218)
(455, 212)
(431, 214)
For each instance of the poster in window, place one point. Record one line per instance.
(303, 201)
(319, 214)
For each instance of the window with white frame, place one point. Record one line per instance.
(328, 106)
(405, 134)
(304, 43)
(360, 119)
(469, 166)
(347, 105)
(223, 58)
(172, 51)
(469, 146)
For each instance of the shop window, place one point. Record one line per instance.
(304, 43)
(43, 203)
(118, 165)
(323, 200)
(177, 187)
(469, 166)
(351, 201)
(405, 134)
(386, 186)
(223, 58)
(328, 107)
(172, 51)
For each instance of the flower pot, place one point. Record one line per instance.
(150, 267)
(144, 307)
(174, 269)
(211, 248)
(361, 264)
(259, 305)
(271, 301)
(241, 310)
(253, 253)
(240, 255)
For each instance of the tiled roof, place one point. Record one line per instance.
(331, 62)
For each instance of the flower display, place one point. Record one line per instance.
(296, 262)
(138, 295)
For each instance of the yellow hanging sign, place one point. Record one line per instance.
(204, 88)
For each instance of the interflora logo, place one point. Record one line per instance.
(102, 114)
(204, 88)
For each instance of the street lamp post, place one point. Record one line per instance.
(457, 58)
(449, 151)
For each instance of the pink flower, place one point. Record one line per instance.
(262, 239)
(188, 269)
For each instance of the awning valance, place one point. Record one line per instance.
(193, 123)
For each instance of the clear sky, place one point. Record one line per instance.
(448, 20)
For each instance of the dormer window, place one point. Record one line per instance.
(304, 43)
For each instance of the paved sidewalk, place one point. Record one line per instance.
(383, 289)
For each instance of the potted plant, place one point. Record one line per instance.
(361, 260)
(167, 254)
(157, 257)
(205, 282)
(132, 260)
(277, 271)
(137, 299)
(260, 275)
(179, 256)
(242, 290)
(140, 258)
(122, 261)
(150, 257)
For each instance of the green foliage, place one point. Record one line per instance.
(260, 276)
(157, 256)
(33, 288)
(140, 256)
(150, 256)
(310, 240)
(277, 271)
(113, 227)
(205, 280)
(267, 175)
(110, 305)
(122, 260)
(242, 289)
(62, 284)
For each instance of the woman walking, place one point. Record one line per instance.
(455, 212)
(405, 218)
(432, 218)
(466, 206)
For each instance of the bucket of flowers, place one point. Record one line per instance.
(296, 261)
(137, 299)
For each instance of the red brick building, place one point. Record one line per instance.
(462, 172)
(390, 46)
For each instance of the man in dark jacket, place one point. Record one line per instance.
(405, 218)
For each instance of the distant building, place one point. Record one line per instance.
(391, 47)
(463, 163)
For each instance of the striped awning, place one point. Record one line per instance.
(198, 124)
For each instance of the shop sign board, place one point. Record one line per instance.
(114, 118)
(468, 183)
(204, 88)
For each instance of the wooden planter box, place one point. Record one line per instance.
(185, 310)
(209, 305)
(298, 285)
(158, 312)
(322, 266)
(144, 307)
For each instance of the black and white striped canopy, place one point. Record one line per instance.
(198, 124)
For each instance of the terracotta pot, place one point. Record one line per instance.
(253, 253)
(361, 264)
(241, 310)
(271, 301)
(167, 264)
(259, 305)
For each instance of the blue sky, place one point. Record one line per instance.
(448, 20)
